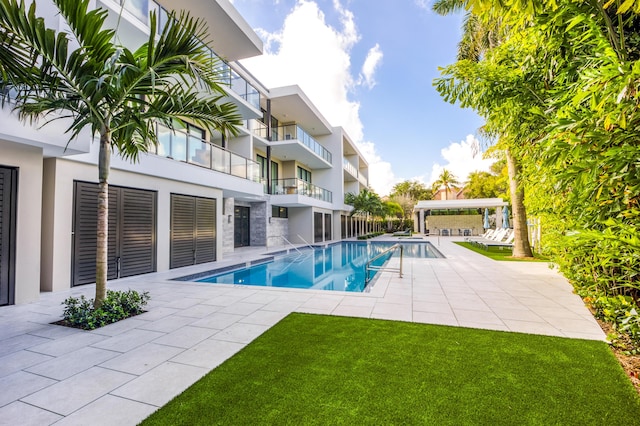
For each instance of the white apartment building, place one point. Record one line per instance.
(196, 198)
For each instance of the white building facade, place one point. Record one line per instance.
(197, 197)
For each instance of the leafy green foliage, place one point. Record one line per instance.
(621, 312)
(494, 184)
(561, 92)
(118, 305)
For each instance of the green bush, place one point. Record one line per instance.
(118, 305)
(621, 312)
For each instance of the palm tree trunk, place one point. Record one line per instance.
(102, 243)
(521, 246)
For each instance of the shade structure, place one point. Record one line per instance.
(505, 217)
(486, 218)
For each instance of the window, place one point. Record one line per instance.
(262, 164)
(184, 143)
(277, 211)
(304, 174)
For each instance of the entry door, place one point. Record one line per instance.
(132, 232)
(8, 195)
(241, 226)
(193, 230)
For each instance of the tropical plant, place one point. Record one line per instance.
(446, 180)
(85, 77)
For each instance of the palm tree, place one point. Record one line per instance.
(366, 203)
(447, 181)
(119, 94)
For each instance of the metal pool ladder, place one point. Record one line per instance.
(369, 267)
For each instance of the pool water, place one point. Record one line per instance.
(337, 267)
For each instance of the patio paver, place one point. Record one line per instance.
(121, 373)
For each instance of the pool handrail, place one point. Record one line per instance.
(368, 267)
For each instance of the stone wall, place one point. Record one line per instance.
(278, 228)
(227, 226)
(258, 224)
(455, 225)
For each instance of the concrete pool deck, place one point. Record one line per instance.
(121, 373)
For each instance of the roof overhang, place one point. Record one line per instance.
(232, 37)
(291, 104)
(471, 203)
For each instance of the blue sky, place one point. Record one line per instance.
(369, 66)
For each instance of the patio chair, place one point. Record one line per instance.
(504, 243)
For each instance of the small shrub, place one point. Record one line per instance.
(118, 305)
(621, 312)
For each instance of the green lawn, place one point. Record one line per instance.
(497, 254)
(314, 369)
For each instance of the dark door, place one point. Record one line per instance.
(317, 228)
(132, 232)
(193, 230)
(241, 227)
(8, 195)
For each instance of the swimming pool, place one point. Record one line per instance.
(340, 267)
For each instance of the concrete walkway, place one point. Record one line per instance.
(121, 373)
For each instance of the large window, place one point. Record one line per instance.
(304, 174)
(186, 143)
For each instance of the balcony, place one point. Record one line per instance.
(181, 146)
(291, 142)
(140, 10)
(351, 169)
(300, 187)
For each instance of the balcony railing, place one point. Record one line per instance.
(181, 146)
(295, 132)
(349, 167)
(363, 179)
(141, 8)
(300, 187)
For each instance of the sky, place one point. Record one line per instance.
(368, 66)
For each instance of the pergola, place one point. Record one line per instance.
(422, 207)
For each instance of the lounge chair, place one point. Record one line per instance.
(506, 243)
(498, 236)
(405, 233)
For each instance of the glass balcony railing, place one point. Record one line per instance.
(300, 187)
(293, 131)
(181, 146)
(141, 8)
(349, 167)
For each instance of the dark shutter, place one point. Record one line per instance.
(137, 232)
(193, 230)
(205, 238)
(8, 194)
(182, 218)
(132, 230)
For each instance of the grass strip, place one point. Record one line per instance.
(497, 254)
(314, 369)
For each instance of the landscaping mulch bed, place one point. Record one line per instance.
(629, 362)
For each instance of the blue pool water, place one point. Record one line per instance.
(337, 267)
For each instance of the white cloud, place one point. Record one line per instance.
(462, 158)
(422, 4)
(381, 177)
(371, 63)
(311, 53)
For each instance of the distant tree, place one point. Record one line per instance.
(446, 180)
(493, 184)
(413, 189)
(408, 193)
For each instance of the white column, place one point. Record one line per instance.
(498, 217)
(422, 221)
